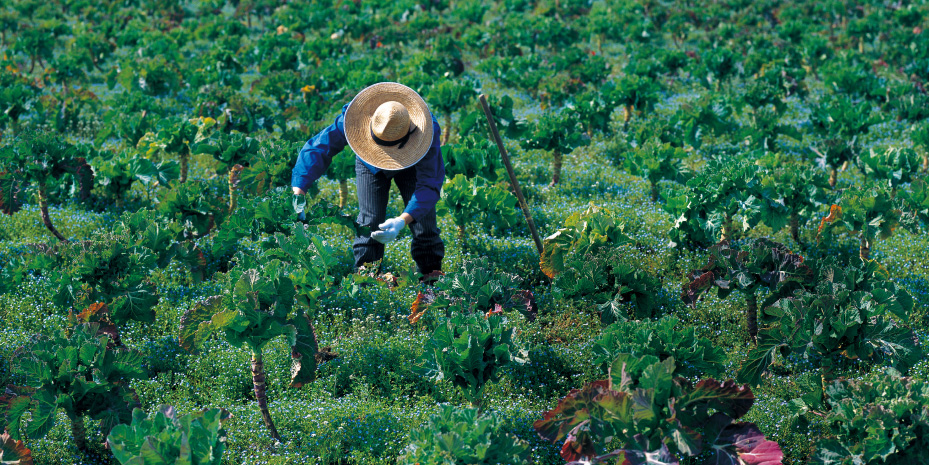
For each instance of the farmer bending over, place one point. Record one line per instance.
(394, 137)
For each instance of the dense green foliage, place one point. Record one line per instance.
(881, 419)
(165, 438)
(656, 416)
(146, 151)
(84, 373)
(471, 350)
(465, 436)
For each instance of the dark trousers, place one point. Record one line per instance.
(427, 248)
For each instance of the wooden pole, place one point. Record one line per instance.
(513, 177)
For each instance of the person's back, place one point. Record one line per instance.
(395, 137)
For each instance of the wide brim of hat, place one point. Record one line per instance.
(358, 126)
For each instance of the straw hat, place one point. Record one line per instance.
(389, 126)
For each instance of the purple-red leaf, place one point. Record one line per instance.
(739, 443)
(691, 292)
(525, 303)
(580, 416)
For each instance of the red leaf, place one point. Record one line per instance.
(420, 306)
(835, 213)
(14, 451)
(691, 292)
(740, 443)
(526, 304)
(571, 419)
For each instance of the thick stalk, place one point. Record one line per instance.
(926, 164)
(184, 159)
(463, 238)
(725, 233)
(751, 315)
(627, 114)
(844, 166)
(795, 223)
(865, 247)
(654, 192)
(556, 168)
(43, 207)
(79, 433)
(448, 129)
(833, 177)
(258, 383)
(343, 193)
(234, 173)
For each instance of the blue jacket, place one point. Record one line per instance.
(317, 154)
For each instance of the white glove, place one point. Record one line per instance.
(389, 230)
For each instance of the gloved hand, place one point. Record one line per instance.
(389, 230)
(300, 204)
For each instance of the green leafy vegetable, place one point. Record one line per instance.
(166, 438)
(471, 350)
(653, 415)
(85, 373)
(465, 436)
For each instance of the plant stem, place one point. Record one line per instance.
(234, 173)
(725, 233)
(654, 192)
(78, 432)
(343, 193)
(751, 315)
(258, 383)
(43, 207)
(184, 159)
(556, 168)
(445, 135)
(795, 224)
(865, 247)
(833, 177)
(463, 238)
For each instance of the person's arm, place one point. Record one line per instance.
(431, 172)
(317, 154)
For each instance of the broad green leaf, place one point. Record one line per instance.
(304, 352)
(196, 323)
(14, 412)
(44, 416)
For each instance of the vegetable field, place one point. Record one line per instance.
(732, 196)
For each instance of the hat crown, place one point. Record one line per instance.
(390, 121)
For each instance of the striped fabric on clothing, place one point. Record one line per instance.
(426, 249)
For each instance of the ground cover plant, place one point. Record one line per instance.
(164, 298)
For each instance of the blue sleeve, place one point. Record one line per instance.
(431, 172)
(317, 153)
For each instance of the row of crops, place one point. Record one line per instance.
(733, 196)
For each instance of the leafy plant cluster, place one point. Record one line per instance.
(85, 372)
(849, 313)
(169, 92)
(166, 438)
(465, 435)
(653, 416)
(476, 288)
(880, 419)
